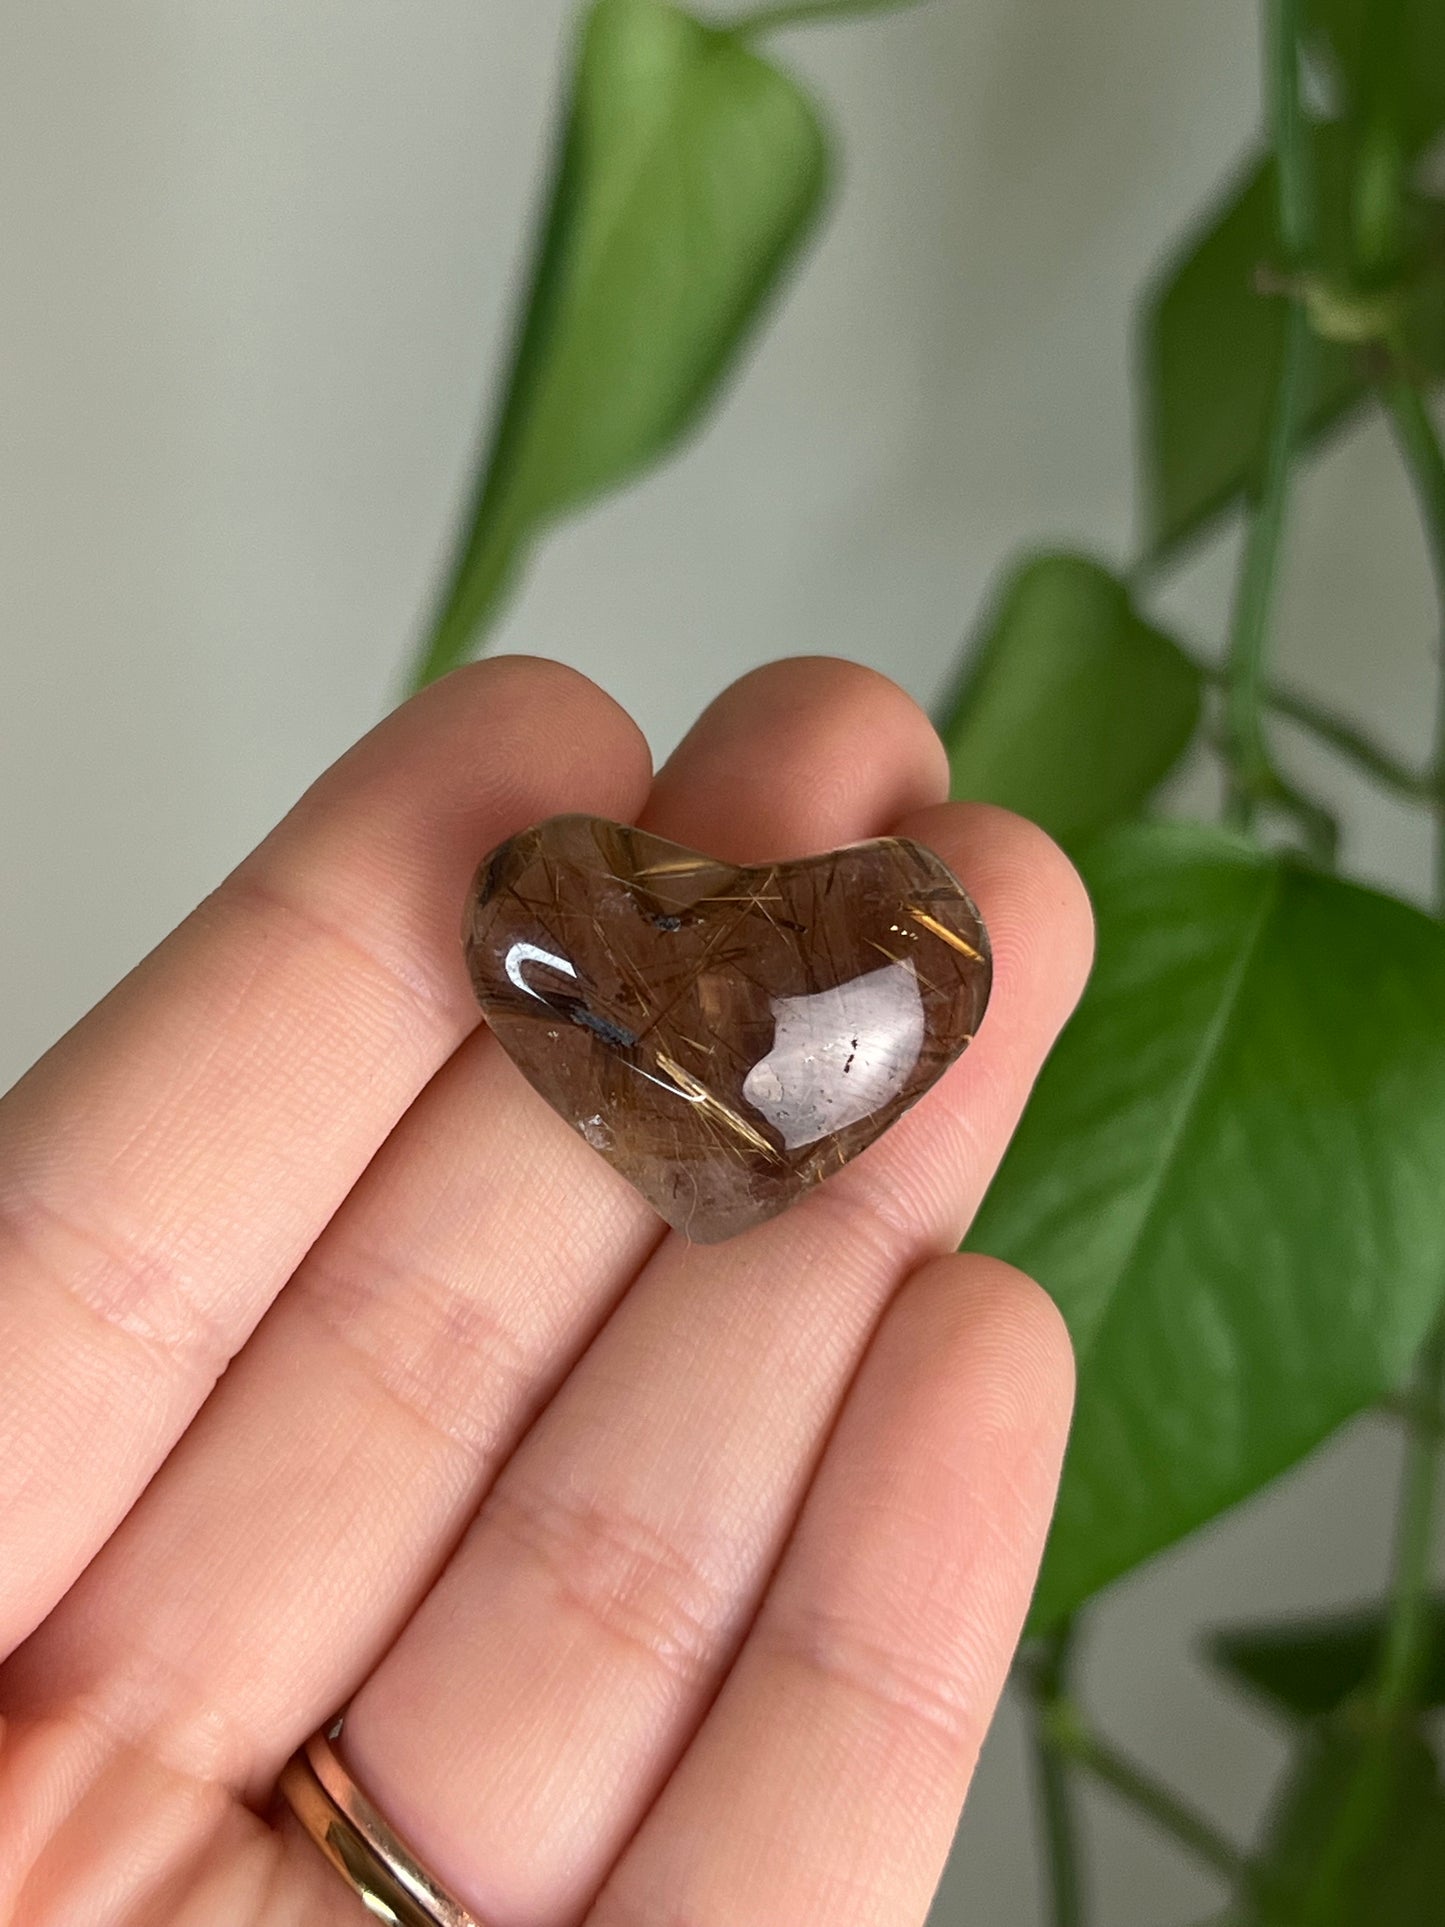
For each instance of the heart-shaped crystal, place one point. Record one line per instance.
(725, 1037)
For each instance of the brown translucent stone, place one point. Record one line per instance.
(725, 1037)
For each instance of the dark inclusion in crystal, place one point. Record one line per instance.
(725, 1037)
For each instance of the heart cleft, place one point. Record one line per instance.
(725, 1037)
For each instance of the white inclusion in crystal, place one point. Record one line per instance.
(525, 953)
(839, 1055)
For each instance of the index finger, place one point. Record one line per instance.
(165, 1167)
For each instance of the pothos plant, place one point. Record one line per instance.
(1232, 1174)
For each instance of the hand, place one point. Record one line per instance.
(665, 1583)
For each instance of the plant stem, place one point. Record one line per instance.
(1389, 771)
(1046, 1675)
(1424, 457)
(1284, 21)
(1406, 1407)
(797, 13)
(1419, 443)
(1406, 1643)
(1391, 1703)
(1249, 762)
(1148, 1796)
(1319, 826)
(1380, 167)
(1406, 1633)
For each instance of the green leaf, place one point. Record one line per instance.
(690, 173)
(1311, 1667)
(1073, 709)
(1230, 1179)
(1391, 55)
(1358, 1835)
(1212, 340)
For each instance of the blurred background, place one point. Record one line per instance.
(260, 266)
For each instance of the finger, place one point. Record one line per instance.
(826, 1782)
(598, 1598)
(339, 1458)
(165, 1167)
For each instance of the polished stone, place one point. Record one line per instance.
(725, 1037)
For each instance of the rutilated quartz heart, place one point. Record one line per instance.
(725, 1037)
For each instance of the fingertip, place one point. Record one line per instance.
(798, 748)
(984, 1312)
(992, 1366)
(524, 722)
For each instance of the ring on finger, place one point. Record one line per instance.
(361, 1844)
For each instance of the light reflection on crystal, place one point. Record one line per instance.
(839, 1055)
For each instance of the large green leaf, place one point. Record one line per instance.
(690, 172)
(1230, 1178)
(1311, 1667)
(1213, 333)
(1341, 1855)
(1074, 708)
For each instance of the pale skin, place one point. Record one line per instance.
(668, 1586)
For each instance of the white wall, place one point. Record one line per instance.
(257, 268)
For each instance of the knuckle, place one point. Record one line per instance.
(628, 1578)
(445, 1358)
(133, 1288)
(904, 1687)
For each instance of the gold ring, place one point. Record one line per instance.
(360, 1844)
